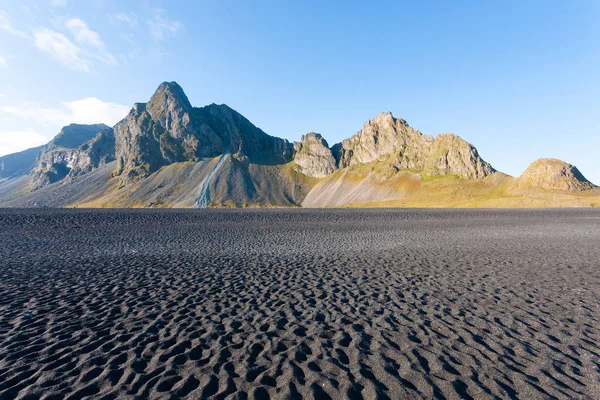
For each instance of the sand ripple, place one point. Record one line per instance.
(299, 304)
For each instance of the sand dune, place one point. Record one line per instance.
(373, 304)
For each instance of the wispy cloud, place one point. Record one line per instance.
(58, 3)
(42, 123)
(84, 111)
(69, 54)
(61, 49)
(14, 141)
(162, 27)
(3, 63)
(6, 25)
(130, 19)
(89, 38)
(82, 34)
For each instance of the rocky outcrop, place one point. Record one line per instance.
(138, 145)
(93, 154)
(392, 141)
(379, 137)
(18, 164)
(451, 155)
(553, 174)
(168, 129)
(64, 154)
(313, 157)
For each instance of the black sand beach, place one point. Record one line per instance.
(290, 304)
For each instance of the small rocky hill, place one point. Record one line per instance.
(553, 174)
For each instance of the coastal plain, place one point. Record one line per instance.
(300, 303)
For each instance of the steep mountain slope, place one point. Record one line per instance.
(18, 164)
(69, 152)
(233, 184)
(169, 130)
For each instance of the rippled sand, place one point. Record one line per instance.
(374, 304)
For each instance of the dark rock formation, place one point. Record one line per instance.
(168, 129)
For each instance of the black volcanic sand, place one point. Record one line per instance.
(373, 304)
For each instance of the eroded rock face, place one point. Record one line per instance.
(553, 174)
(313, 157)
(391, 140)
(378, 138)
(168, 129)
(65, 153)
(137, 145)
(94, 153)
(451, 155)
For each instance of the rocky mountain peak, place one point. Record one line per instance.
(386, 119)
(313, 157)
(379, 137)
(313, 137)
(169, 130)
(170, 91)
(170, 107)
(451, 155)
(553, 174)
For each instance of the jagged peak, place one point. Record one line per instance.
(168, 92)
(313, 136)
(386, 117)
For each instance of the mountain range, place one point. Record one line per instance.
(167, 153)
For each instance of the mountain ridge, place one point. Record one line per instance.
(213, 156)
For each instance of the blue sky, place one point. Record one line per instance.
(518, 79)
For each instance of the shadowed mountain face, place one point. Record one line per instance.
(169, 130)
(167, 153)
(18, 164)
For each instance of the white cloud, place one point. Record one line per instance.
(93, 110)
(61, 49)
(89, 38)
(68, 53)
(89, 110)
(82, 34)
(6, 25)
(43, 123)
(58, 3)
(161, 27)
(3, 63)
(15, 141)
(130, 19)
